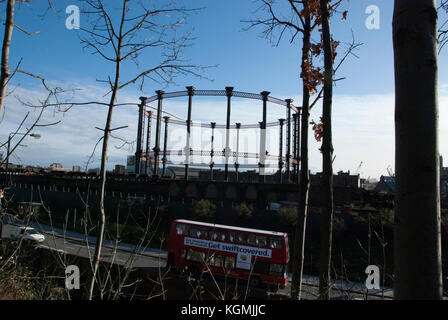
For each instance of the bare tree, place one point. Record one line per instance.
(417, 236)
(443, 27)
(300, 19)
(154, 28)
(4, 75)
(36, 123)
(5, 71)
(327, 158)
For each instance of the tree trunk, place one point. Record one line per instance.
(327, 159)
(417, 242)
(107, 129)
(299, 241)
(4, 75)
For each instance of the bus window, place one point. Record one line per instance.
(198, 232)
(275, 243)
(223, 236)
(261, 241)
(216, 260)
(229, 262)
(218, 235)
(251, 240)
(195, 256)
(261, 267)
(181, 228)
(276, 270)
(256, 240)
(237, 237)
(240, 238)
(193, 231)
(204, 233)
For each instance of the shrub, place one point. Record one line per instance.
(287, 218)
(338, 225)
(242, 214)
(203, 210)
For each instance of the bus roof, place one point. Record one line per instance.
(206, 224)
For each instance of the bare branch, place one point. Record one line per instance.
(27, 32)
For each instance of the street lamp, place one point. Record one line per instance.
(34, 135)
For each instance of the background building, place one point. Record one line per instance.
(57, 167)
(119, 169)
(77, 169)
(386, 185)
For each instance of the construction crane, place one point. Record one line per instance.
(359, 168)
(390, 172)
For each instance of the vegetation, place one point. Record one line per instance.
(242, 214)
(203, 210)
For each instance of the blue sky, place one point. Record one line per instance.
(363, 104)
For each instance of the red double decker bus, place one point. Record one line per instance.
(259, 256)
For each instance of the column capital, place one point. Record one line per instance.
(265, 95)
(142, 100)
(190, 90)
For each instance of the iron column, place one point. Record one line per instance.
(294, 145)
(298, 146)
(187, 147)
(288, 139)
(213, 125)
(238, 126)
(157, 146)
(165, 141)
(138, 152)
(280, 160)
(262, 172)
(229, 91)
(148, 142)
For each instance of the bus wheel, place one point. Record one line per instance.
(254, 281)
